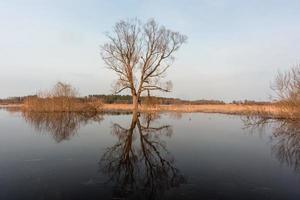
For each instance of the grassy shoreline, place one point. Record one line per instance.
(11, 105)
(207, 108)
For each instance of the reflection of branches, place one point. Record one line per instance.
(61, 125)
(287, 147)
(285, 138)
(145, 127)
(140, 161)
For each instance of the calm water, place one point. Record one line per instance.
(168, 156)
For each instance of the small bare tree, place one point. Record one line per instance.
(62, 97)
(61, 89)
(140, 54)
(287, 88)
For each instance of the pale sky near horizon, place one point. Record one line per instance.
(234, 49)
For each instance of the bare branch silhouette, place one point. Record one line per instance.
(285, 138)
(140, 55)
(139, 163)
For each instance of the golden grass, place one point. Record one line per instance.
(224, 108)
(267, 110)
(11, 105)
(60, 104)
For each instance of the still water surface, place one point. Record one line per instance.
(166, 156)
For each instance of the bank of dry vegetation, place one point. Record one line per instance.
(286, 105)
(287, 97)
(62, 98)
(60, 104)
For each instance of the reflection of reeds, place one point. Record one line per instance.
(60, 104)
(61, 125)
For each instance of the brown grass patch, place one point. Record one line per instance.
(60, 104)
(226, 108)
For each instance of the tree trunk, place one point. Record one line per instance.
(135, 102)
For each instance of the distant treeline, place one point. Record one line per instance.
(110, 99)
(250, 102)
(127, 99)
(15, 100)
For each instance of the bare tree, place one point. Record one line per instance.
(62, 97)
(61, 89)
(140, 54)
(287, 88)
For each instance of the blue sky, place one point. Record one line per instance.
(234, 48)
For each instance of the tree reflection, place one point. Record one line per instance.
(285, 138)
(287, 145)
(139, 163)
(61, 125)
